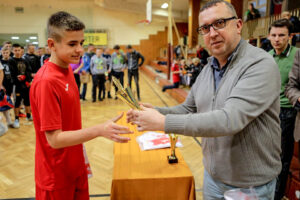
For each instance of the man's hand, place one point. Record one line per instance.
(147, 119)
(112, 131)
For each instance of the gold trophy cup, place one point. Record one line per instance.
(173, 140)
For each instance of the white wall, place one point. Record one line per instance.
(122, 26)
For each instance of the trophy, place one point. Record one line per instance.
(126, 95)
(173, 140)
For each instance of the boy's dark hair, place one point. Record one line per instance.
(129, 46)
(282, 23)
(116, 47)
(215, 2)
(62, 21)
(16, 45)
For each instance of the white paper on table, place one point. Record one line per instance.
(154, 140)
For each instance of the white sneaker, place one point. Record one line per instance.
(3, 129)
(16, 124)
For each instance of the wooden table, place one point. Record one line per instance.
(147, 175)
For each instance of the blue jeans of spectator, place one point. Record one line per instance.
(175, 85)
(214, 190)
(83, 92)
(287, 123)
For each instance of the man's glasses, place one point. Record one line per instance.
(218, 24)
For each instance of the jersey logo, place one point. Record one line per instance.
(67, 87)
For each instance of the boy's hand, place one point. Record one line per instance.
(111, 130)
(21, 77)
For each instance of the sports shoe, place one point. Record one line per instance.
(16, 124)
(22, 115)
(29, 119)
(3, 129)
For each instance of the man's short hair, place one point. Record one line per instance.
(129, 47)
(5, 49)
(282, 23)
(116, 47)
(6, 42)
(62, 21)
(16, 45)
(215, 2)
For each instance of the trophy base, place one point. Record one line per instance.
(172, 159)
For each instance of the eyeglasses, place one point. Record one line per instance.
(218, 24)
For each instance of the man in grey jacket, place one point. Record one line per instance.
(233, 106)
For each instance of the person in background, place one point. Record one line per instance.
(76, 70)
(98, 68)
(134, 61)
(252, 12)
(175, 76)
(32, 59)
(195, 69)
(107, 55)
(296, 25)
(202, 54)
(284, 54)
(7, 44)
(117, 66)
(236, 112)
(45, 57)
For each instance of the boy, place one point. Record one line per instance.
(60, 171)
(33, 59)
(21, 75)
(7, 81)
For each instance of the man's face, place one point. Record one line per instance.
(279, 37)
(91, 49)
(69, 49)
(9, 46)
(5, 54)
(220, 42)
(129, 50)
(17, 52)
(31, 49)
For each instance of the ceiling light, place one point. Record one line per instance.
(35, 43)
(27, 40)
(33, 37)
(165, 5)
(15, 37)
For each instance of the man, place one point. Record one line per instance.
(60, 171)
(296, 25)
(32, 59)
(117, 66)
(133, 61)
(21, 75)
(284, 54)
(86, 68)
(233, 106)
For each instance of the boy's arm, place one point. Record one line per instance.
(110, 130)
(142, 59)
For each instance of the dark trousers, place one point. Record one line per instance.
(98, 81)
(175, 85)
(120, 76)
(135, 74)
(287, 123)
(77, 79)
(83, 92)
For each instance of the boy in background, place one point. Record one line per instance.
(60, 171)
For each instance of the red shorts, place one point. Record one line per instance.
(78, 191)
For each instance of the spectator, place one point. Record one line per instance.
(252, 12)
(176, 76)
(134, 61)
(202, 54)
(107, 55)
(195, 69)
(296, 25)
(284, 53)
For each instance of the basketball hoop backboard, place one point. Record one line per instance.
(149, 11)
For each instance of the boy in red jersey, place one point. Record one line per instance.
(60, 171)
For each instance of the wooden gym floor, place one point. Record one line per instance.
(17, 148)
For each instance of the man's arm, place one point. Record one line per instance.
(142, 59)
(291, 89)
(1, 76)
(110, 130)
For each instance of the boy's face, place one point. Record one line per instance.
(31, 49)
(69, 49)
(17, 52)
(5, 54)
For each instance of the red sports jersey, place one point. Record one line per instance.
(176, 77)
(55, 105)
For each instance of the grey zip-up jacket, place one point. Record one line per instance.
(239, 122)
(117, 62)
(98, 65)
